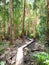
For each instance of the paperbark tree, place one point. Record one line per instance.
(47, 34)
(11, 20)
(3, 23)
(23, 19)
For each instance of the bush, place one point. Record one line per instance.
(42, 58)
(31, 35)
(2, 62)
(42, 28)
(20, 33)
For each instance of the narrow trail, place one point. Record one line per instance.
(21, 54)
(19, 57)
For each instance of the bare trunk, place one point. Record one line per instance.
(15, 32)
(11, 20)
(3, 31)
(35, 23)
(3, 24)
(47, 34)
(28, 29)
(23, 21)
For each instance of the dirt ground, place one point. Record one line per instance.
(10, 53)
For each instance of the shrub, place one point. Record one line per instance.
(41, 58)
(2, 62)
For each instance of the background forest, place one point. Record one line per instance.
(27, 18)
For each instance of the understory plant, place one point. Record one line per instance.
(42, 28)
(2, 62)
(42, 58)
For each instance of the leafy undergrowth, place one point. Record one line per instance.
(2, 63)
(29, 58)
(3, 45)
(42, 58)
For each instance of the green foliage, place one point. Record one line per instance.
(42, 57)
(20, 33)
(3, 45)
(41, 12)
(2, 63)
(47, 62)
(38, 6)
(42, 28)
(31, 35)
(1, 10)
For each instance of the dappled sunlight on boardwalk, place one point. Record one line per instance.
(19, 57)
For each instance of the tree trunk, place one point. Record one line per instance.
(3, 31)
(15, 32)
(3, 24)
(23, 21)
(35, 23)
(28, 29)
(11, 20)
(47, 34)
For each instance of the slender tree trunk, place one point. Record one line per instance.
(15, 32)
(3, 24)
(11, 20)
(28, 29)
(3, 31)
(35, 23)
(8, 30)
(47, 34)
(28, 14)
(23, 21)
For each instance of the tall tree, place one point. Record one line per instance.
(3, 24)
(47, 35)
(35, 23)
(17, 17)
(15, 32)
(35, 18)
(11, 20)
(23, 19)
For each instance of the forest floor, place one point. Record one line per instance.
(9, 53)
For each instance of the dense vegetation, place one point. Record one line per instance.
(24, 18)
